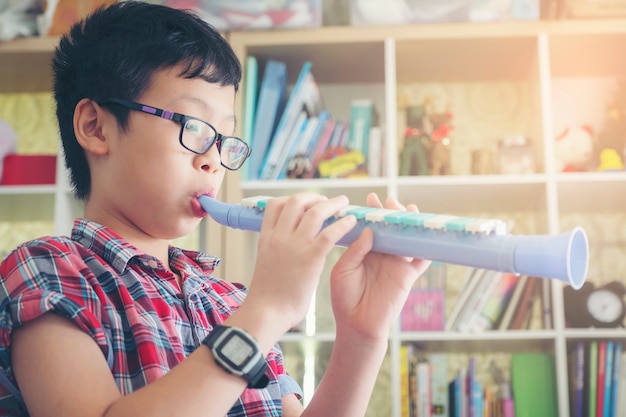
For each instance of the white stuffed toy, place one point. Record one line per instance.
(8, 143)
(574, 149)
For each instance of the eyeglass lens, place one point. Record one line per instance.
(199, 137)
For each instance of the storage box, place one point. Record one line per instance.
(392, 12)
(228, 15)
(29, 170)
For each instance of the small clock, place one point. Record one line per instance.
(590, 306)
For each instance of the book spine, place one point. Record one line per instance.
(438, 377)
(423, 389)
(608, 380)
(404, 381)
(579, 379)
(599, 412)
(617, 365)
(360, 124)
(592, 379)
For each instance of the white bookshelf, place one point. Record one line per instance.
(352, 62)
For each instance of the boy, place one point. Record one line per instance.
(113, 321)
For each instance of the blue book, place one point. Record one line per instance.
(268, 104)
(249, 96)
(288, 118)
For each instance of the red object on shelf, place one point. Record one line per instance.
(29, 169)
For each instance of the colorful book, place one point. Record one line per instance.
(496, 303)
(249, 97)
(533, 381)
(270, 99)
(510, 309)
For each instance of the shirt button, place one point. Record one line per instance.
(152, 263)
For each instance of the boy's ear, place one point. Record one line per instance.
(89, 127)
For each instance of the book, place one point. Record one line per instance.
(546, 303)
(592, 378)
(319, 149)
(471, 387)
(423, 389)
(305, 95)
(361, 115)
(599, 412)
(268, 105)
(608, 380)
(424, 308)
(616, 375)
(510, 309)
(524, 308)
(476, 299)
(533, 381)
(376, 152)
(291, 140)
(438, 384)
(621, 388)
(251, 74)
(495, 305)
(404, 381)
(470, 280)
(577, 379)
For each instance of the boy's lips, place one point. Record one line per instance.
(197, 209)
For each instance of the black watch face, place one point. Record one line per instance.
(237, 350)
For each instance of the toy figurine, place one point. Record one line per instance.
(426, 148)
(610, 160)
(574, 149)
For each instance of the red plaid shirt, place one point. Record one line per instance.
(129, 304)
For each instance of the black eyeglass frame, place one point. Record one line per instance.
(182, 119)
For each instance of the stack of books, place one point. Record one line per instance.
(293, 135)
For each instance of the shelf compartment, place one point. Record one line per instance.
(471, 194)
(593, 191)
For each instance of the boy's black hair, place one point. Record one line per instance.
(114, 53)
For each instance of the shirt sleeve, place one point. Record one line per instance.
(44, 277)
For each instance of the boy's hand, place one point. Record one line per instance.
(369, 289)
(292, 252)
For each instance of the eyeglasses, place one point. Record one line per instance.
(197, 135)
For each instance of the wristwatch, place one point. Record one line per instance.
(239, 353)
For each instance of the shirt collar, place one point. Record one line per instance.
(117, 252)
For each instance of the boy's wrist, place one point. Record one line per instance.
(262, 322)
